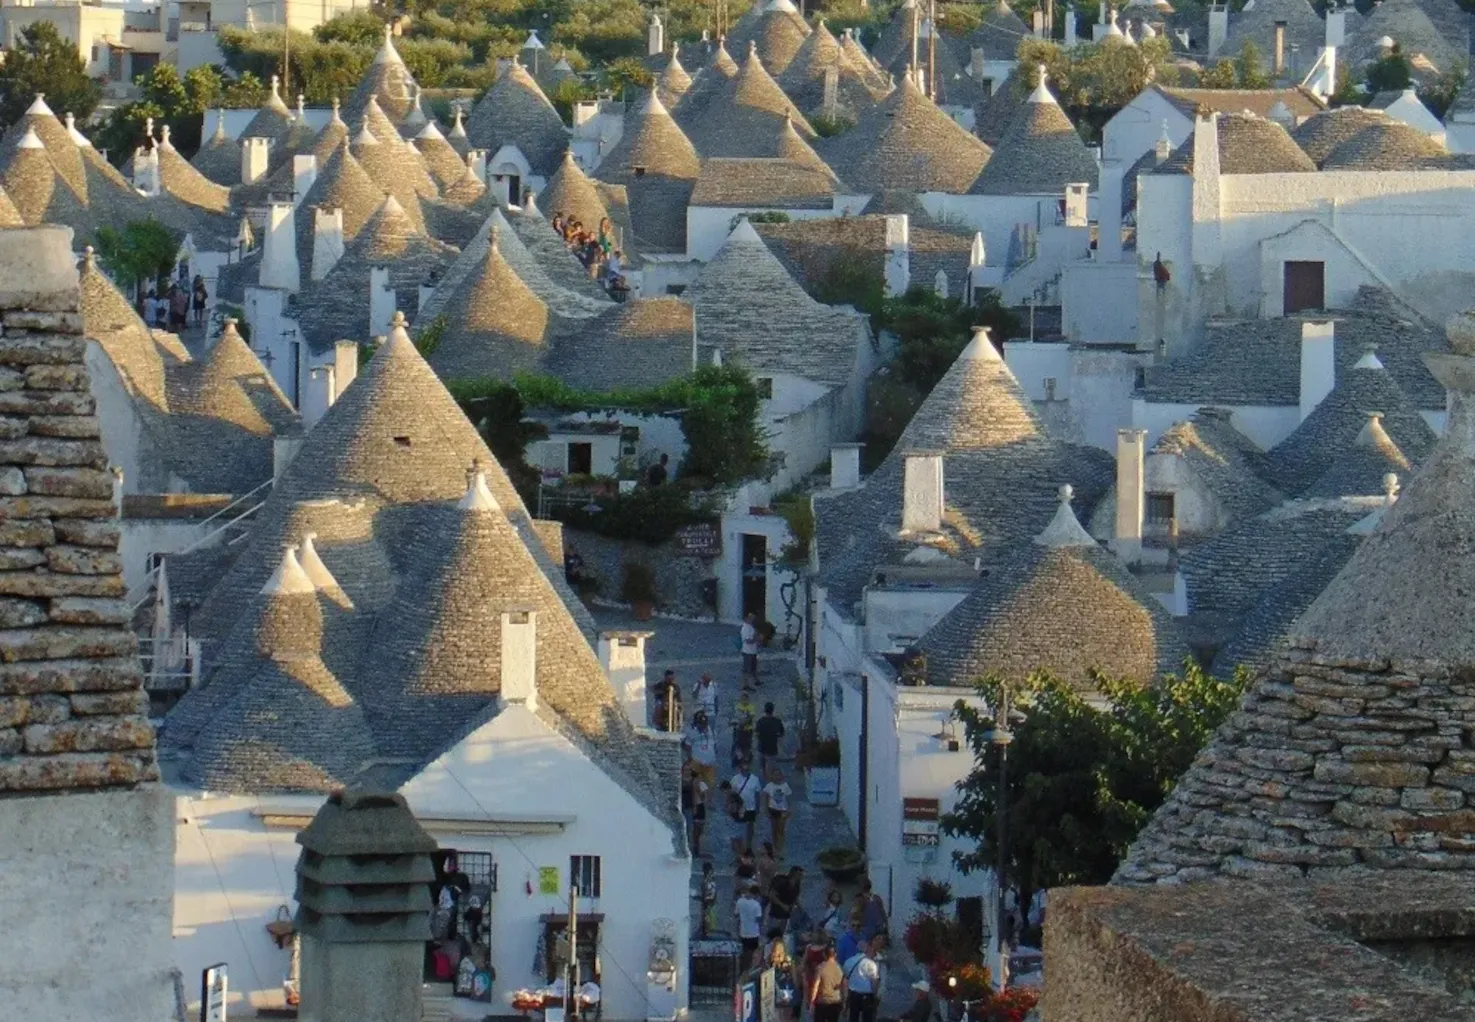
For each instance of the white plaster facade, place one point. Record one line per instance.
(514, 788)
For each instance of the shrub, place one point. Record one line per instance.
(932, 937)
(649, 514)
(933, 893)
(840, 857)
(1012, 1005)
(972, 981)
(639, 585)
(825, 753)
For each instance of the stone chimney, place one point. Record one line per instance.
(898, 254)
(476, 159)
(922, 497)
(1037, 24)
(85, 830)
(304, 173)
(1278, 48)
(279, 248)
(520, 657)
(327, 240)
(655, 37)
(254, 158)
(845, 466)
(1318, 365)
(146, 170)
(1131, 496)
(381, 300)
(622, 655)
(1218, 27)
(363, 896)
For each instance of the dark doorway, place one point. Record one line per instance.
(755, 576)
(1305, 286)
(580, 459)
(970, 917)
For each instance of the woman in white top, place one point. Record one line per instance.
(776, 793)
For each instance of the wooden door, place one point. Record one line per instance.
(1305, 286)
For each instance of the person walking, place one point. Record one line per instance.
(783, 897)
(749, 915)
(701, 745)
(705, 696)
(709, 900)
(199, 295)
(748, 640)
(151, 309)
(742, 728)
(776, 795)
(694, 797)
(745, 789)
(178, 308)
(827, 988)
(862, 984)
(832, 920)
(769, 730)
(872, 911)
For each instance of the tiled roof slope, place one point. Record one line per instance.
(1055, 604)
(219, 159)
(70, 681)
(1002, 472)
(999, 32)
(1408, 25)
(1364, 467)
(1040, 153)
(993, 115)
(1304, 29)
(422, 571)
(1319, 136)
(804, 79)
(1393, 146)
(341, 184)
(1300, 101)
(515, 112)
(796, 335)
(652, 142)
(1224, 459)
(762, 183)
(1247, 145)
(776, 30)
(1257, 362)
(746, 118)
(906, 143)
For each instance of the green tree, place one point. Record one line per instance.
(1222, 75)
(1392, 73)
(1439, 93)
(358, 28)
(142, 252)
(1251, 68)
(497, 411)
(42, 61)
(605, 30)
(627, 73)
(1082, 780)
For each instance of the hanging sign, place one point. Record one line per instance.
(701, 540)
(548, 880)
(920, 823)
(214, 989)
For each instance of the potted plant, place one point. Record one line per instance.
(639, 590)
(934, 894)
(842, 864)
(822, 777)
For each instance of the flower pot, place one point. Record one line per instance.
(822, 785)
(643, 609)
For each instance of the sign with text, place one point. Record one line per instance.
(214, 990)
(701, 540)
(921, 828)
(767, 1009)
(547, 879)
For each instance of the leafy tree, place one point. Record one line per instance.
(1094, 81)
(496, 410)
(569, 92)
(1251, 68)
(627, 73)
(42, 61)
(1222, 75)
(432, 60)
(1391, 73)
(357, 28)
(1082, 780)
(142, 252)
(605, 29)
(1439, 93)
(933, 331)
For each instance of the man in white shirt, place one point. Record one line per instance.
(748, 911)
(747, 787)
(705, 696)
(863, 983)
(750, 647)
(702, 743)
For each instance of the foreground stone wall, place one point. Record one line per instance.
(678, 577)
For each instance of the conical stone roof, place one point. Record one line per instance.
(185, 182)
(496, 325)
(219, 159)
(654, 142)
(776, 31)
(9, 215)
(274, 120)
(393, 159)
(388, 81)
(1358, 725)
(515, 112)
(38, 192)
(386, 168)
(999, 32)
(905, 143)
(747, 117)
(1040, 153)
(445, 164)
(672, 82)
(61, 148)
(341, 184)
(571, 193)
(1059, 604)
(1361, 469)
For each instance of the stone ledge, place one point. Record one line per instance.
(1234, 952)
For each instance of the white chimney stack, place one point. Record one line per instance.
(622, 655)
(845, 466)
(381, 300)
(327, 240)
(279, 267)
(254, 153)
(922, 493)
(898, 254)
(520, 657)
(1131, 496)
(1070, 28)
(1075, 205)
(476, 159)
(304, 173)
(655, 37)
(1318, 365)
(1218, 28)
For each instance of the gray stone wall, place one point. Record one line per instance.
(1328, 765)
(678, 577)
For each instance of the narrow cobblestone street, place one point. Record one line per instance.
(691, 648)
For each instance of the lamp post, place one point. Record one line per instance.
(1001, 737)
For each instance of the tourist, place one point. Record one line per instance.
(827, 989)
(776, 796)
(558, 223)
(709, 900)
(748, 640)
(694, 795)
(862, 983)
(769, 730)
(705, 696)
(749, 914)
(657, 474)
(872, 911)
(832, 920)
(782, 964)
(199, 295)
(747, 868)
(151, 309)
(816, 947)
(614, 266)
(767, 870)
(668, 704)
(745, 790)
(701, 745)
(851, 940)
(742, 728)
(783, 898)
(178, 308)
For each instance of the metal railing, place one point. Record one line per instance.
(159, 675)
(139, 597)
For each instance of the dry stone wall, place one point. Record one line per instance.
(1330, 764)
(73, 713)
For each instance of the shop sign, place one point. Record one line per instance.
(548, 880)
(701, 540)
(214, 989)
(767, 1011)
(745, 1002)
(921, 830)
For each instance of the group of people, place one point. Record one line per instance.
(171, 309)
(596, 250)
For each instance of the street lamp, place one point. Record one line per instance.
(1001, 737)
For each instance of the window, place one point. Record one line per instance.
(1160, 508)
(1050, 384)
(479, 868)
(580, 459)
(765, 387)
(675, 290)
(584, 875)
